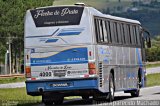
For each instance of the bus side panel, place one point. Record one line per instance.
(123, 61)
(103, 60)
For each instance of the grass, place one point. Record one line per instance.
(153, 79)
(151, 65)
(17, 96)
(11, 80)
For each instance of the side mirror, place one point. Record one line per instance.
(148, 41)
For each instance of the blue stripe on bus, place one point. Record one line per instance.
(68, 33)
(141, 65)
(139, 58)
(70, 56)
(51, 40)
(59, 63)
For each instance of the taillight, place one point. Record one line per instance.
(92, 68)
(28, 72)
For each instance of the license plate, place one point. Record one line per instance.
(60, 73)
(45, 74)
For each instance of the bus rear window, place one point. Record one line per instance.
(57, 16)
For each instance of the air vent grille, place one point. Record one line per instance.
(100, 73)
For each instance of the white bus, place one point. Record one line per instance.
(77, 50)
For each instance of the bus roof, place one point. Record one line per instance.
(97, 13)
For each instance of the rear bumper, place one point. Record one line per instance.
(33, 87)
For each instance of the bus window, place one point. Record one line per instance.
(115, 32)
(129, 34)
(138, 35)
(123, 34)
(100, 30)
(126, 32)
(119, 33)
(97, 30)
(135, 35)
(112, 32)
(108, 31)
(132, 35)
(105, 35)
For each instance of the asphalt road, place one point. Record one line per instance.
(13, 85)
(148, 96)
(153, 70)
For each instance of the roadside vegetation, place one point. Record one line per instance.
(12, 80)
(153, 79)
(153, 53)
(17, 96)
(153, 64)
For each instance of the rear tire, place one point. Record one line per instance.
(111, 88)
(49, 99)
(85, 97)
(135, 93)
(58, 101)
(48, 102)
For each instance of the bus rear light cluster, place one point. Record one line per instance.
(92, 68)
(86, 76)
(28, 71)
(33, 78)
(92, 71)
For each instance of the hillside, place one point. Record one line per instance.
(99, 4)
(146, 11)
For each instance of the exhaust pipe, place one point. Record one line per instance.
(40, 90)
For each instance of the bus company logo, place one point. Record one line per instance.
(65, 67)
(63, 12)
(60, 85)
(66, 11)
(42, 13)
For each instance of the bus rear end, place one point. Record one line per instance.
(68, 68)
(59, 55)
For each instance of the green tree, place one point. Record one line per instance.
(12, 13)
(153, 53)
